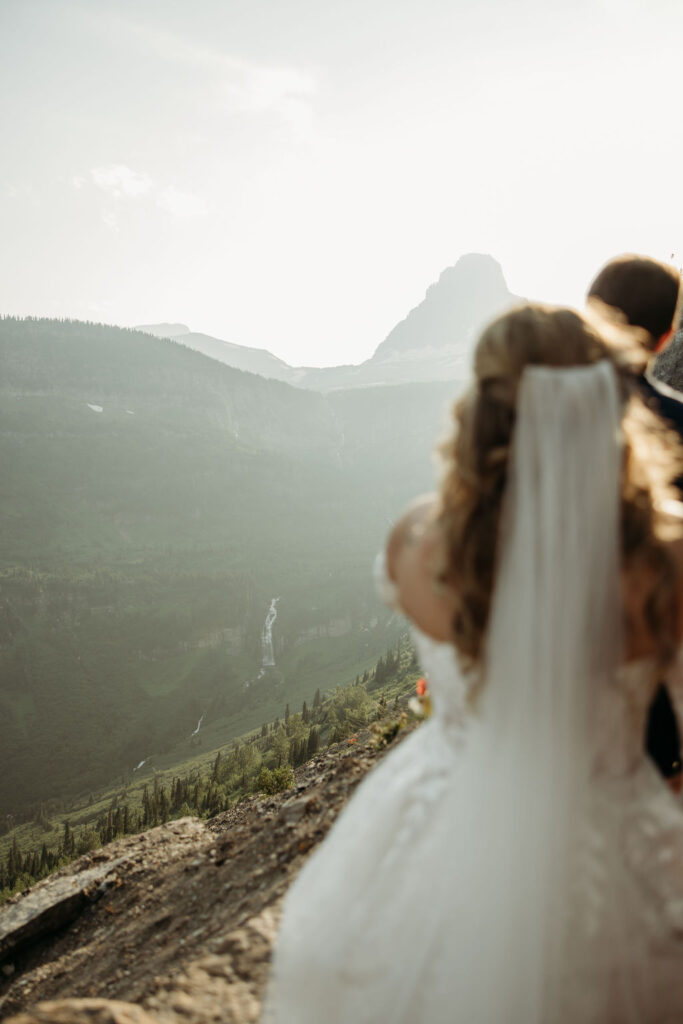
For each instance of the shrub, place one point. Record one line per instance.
(277, 780)
(386, 733)
(88, 840)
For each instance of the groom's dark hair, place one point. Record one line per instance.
(646, 291)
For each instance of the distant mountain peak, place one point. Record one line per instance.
(433, 343)
(453, 310)
(474, 268)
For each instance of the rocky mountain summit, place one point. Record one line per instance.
(453, 310)
(175, 924)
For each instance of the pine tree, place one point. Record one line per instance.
(287, 714)
(313, 742)
(146, 809)
(41, 818)
(280, 747)
(68, 842)
(316, 700)
(305, 716)
(13, 862)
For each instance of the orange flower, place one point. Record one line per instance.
(421, 687)
(353, 739)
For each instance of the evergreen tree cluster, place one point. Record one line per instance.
(263, 761)
(17, 870)
(385, 669)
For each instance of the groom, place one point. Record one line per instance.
(649, 294)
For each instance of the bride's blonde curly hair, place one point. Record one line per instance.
(476, 462)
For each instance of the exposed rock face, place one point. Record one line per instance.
(453, 310)
(51, 905)
(183, 928)
(435, 341)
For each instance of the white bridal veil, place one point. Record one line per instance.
(536, 861)
(467, 882)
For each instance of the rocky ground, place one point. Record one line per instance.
(175, 924)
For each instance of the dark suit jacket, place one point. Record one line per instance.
(663, 738)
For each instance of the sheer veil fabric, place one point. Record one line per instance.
(553, 644)
(477, 875)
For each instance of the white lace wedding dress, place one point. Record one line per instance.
(475, 876)
(370, 931)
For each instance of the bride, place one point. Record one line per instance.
(518, 860)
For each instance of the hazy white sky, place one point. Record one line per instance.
(293, 174)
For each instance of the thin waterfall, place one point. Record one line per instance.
(267, 652)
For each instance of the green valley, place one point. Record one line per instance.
(153, 504)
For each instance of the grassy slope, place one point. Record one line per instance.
(85, 810)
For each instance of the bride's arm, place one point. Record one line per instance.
(414, 551)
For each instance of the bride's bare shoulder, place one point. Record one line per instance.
(407, 530)
(414, 557)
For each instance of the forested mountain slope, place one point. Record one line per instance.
(154, 502)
